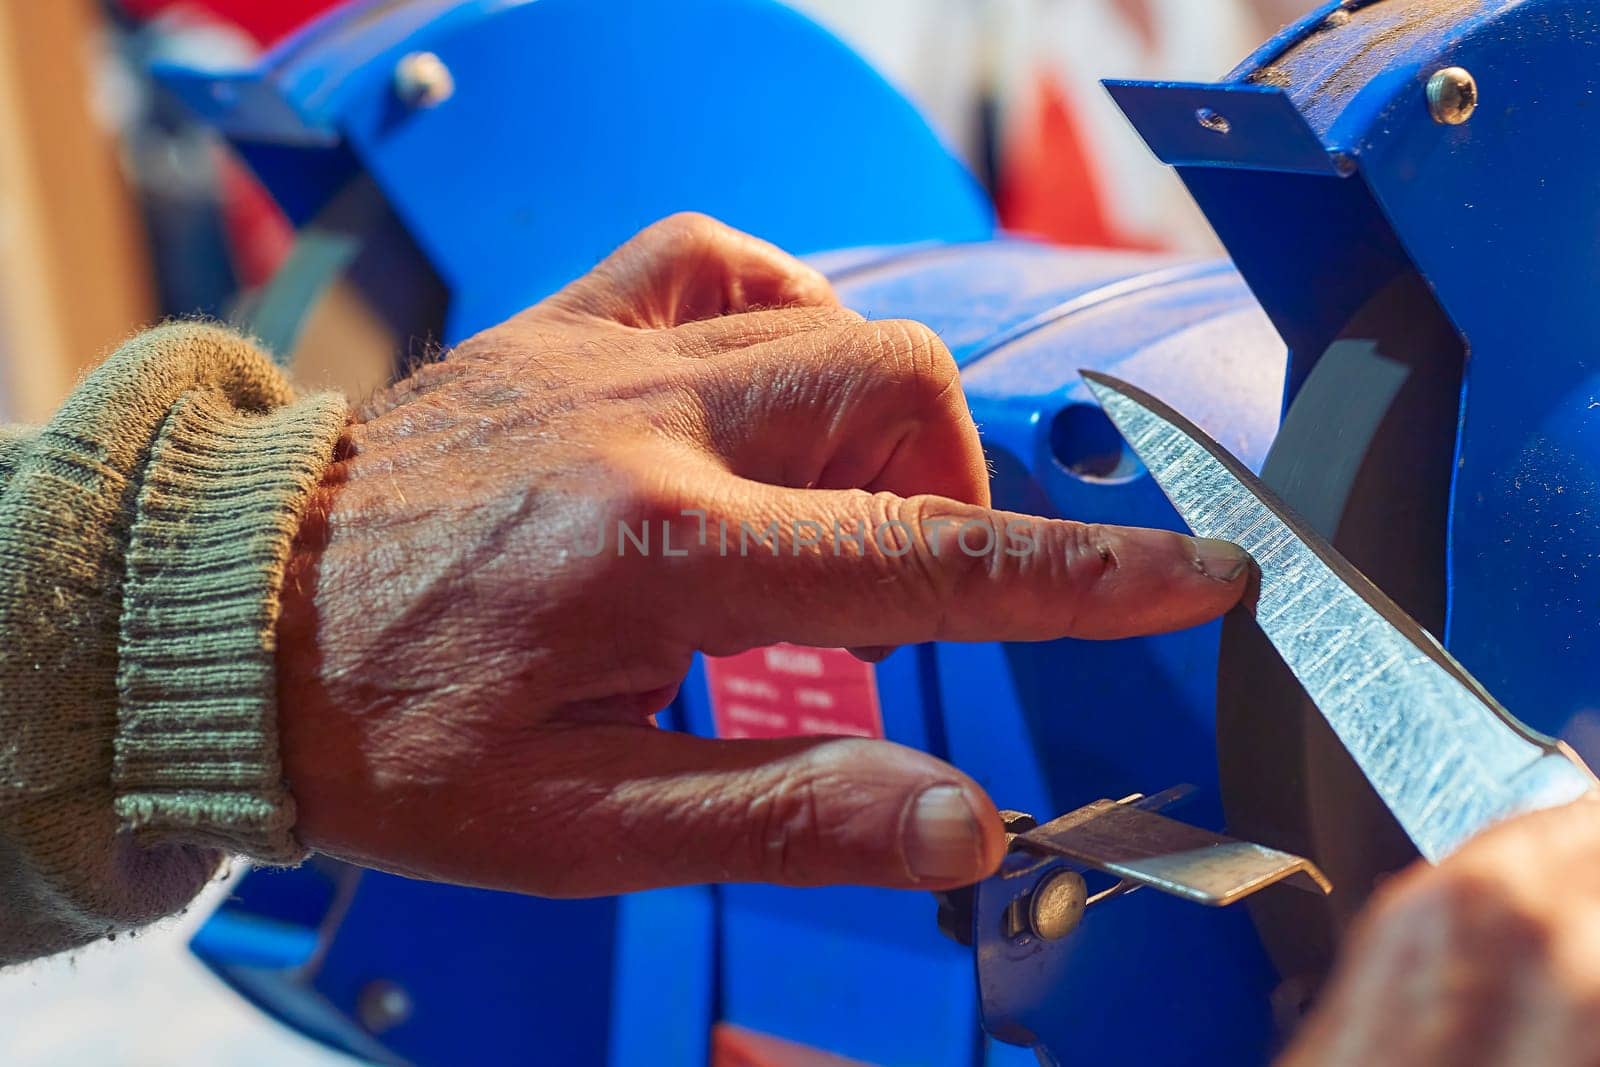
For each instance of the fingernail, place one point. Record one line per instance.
(942, 836)
(1223, 561)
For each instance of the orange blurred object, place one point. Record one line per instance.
(1048, 185)
(734, 1046)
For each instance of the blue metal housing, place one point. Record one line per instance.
(1495, 215)
(576, 122)
(862, 972)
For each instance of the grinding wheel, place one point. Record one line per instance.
(1365, 453)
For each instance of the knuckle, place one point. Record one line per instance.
(800, 831)
(893, 521)
(1084, 553)
(942, 551)
(693, 222)
(1442, 897)
(1076, 558)
(918, 355)
(1454, 895)
(1471, 912)
(801, 333)
(805, 286)
(788, 827)
(818, 317)
(689, 229)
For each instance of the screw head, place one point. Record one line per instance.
(1211, 120)
(1452, 96)
(382, 1005)
(955, 914)
(1056, 907)
(422, 80)
(1017, 822)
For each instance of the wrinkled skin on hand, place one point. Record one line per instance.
(1491, 959)
(467, 682)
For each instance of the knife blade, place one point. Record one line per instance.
(1439, 750)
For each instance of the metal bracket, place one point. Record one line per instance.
(1128, 839)
(1016, 920)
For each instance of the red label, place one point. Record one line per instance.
(792, 691)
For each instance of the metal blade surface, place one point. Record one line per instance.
(1445, 757)
(1147, 848)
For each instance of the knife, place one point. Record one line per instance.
(1439, 750)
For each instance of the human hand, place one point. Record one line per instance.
(467, 681)
(1491, 958)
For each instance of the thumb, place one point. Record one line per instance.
(611, 808)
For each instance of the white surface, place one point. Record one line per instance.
(939, 52)
(141, 1002)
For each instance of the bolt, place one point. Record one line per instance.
(1452, 96)
(422, 80)
(1057, 905)
(1292, 999)
(1017, 822)
(1212, 121)
(382, 1005)
(955, 914)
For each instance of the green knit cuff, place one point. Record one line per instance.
(196, 750)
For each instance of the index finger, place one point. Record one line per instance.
(850, 568)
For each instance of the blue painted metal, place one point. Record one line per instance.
(1329, 184)
(490, 976)
(1499, 229)
(863, 972)
(851, 970)
(1031, 722)
(596, 119)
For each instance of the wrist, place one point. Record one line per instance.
(306, 711)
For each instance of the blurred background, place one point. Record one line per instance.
(117, 211)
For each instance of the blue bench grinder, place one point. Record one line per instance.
(1400, 345)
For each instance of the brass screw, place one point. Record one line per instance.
(382, 1005)
(422, 80)
(1452, 96)
(1056, 907)
(1213, 121)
